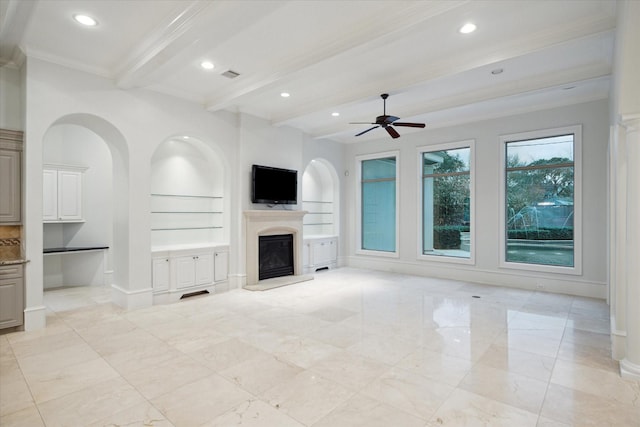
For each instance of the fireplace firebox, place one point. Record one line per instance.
(275, 256)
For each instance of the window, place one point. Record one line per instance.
(378, 203)
(541, 196)
(446, 194)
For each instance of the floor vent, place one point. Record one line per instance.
(322, 268)
(194, 294)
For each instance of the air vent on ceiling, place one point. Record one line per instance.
(230, 74)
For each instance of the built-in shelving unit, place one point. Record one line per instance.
(183, 218)
(319, 218)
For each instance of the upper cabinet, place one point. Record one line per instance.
(10, 166)
(62, 193)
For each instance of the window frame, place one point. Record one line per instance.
(576, 130)
(468, 143)
(358, 235)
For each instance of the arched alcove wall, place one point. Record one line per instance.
(321, 199)
(74, 146)
(93, 142)
(188, 204)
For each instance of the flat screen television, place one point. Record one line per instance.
(274, 185)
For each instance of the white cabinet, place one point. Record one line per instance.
(221, 265)
(179, 270)
(62, 194)
(320, 252)
(160, 273)
(10, 166)
(193, 270)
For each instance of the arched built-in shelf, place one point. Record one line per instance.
(320, 198)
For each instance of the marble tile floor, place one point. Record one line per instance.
(350, 348)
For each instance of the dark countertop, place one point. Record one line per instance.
(73, 249)
(13, 261)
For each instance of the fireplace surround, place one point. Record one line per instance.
(268, 223)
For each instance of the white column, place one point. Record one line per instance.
(630, 365)
(618, 247)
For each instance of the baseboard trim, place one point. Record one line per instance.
(527, 280)
(131, 300)
(35, 318)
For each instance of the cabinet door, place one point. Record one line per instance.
(333, 250)
(185, 271)
(221, 266)
(321, 252)
(69, 195)
(204, 269)
(9, 186)
(160, 274)
(11, 302)
(49, 195)
(306, 254)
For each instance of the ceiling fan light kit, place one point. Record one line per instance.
(387, 122)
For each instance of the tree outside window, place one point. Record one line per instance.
(539, 189)
(446, 202)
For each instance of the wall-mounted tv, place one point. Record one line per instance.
(274, 185)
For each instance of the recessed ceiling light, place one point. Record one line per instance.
(467, 28)
(207, 65)
(85, 20)
(285, 94)
(335, 114)
(497, 71)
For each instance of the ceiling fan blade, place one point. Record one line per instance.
(370, 129)
(392, 132)
(410, 125)
(361, 123)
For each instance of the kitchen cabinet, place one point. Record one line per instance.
(11, 296)
(320, 252)
(62, 193)
(10, 183)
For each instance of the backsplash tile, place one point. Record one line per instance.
(10, 242)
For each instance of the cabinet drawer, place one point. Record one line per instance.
(10, 271)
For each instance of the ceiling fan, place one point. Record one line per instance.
(387, 122)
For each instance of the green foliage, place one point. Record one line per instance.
(546, 233)
(447, 236)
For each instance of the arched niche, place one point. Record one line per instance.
(90, 142)
(320, 198)
(188, 186)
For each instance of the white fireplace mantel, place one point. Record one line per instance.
(267, 223)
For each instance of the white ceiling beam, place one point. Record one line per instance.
(14, 19)
(457, 64)
(398, 21)
(165, 40)
(538, 83)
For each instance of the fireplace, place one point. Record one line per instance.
(268, 223)
(275, 256)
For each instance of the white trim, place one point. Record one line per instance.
(35, 318)
(131, 300)
(358, 234)
(570, 285)
(629, 370)
(468, 143)
(576, 130)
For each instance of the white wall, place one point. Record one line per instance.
(594, 118)
(11, 98)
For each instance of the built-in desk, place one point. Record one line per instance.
(75, 266)
(48, 251)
